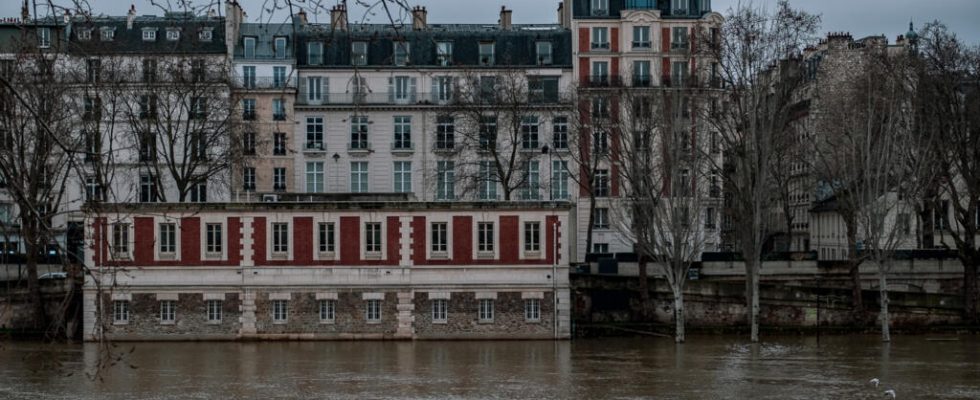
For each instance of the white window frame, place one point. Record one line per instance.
(173, 34)
(445, 180)
(315, 172)
(165, 250)
(315, 133)
(213, 310)
(370, 249)
(168, 312)
(279, 47)
(358, 48)
(641, 37)
(120, 312)
(209, 247)
(486, 250)
(149, 34)
(401, 60)
(599, 38)
(402, 139)
(361, 173)
(532, 310)
(121, 241)
(433, 251)
(440, 311)
(372, 311)
(559, 180)
(279, 309)
(327, 310)
(600, 220)
(276, 249)
(531, 237)
(326, 244)
(402, 176)
(485, 312)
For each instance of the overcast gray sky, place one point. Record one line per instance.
(860, 17)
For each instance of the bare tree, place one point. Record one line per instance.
(948, 100)
(753, 49)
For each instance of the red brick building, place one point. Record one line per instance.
(329, 270)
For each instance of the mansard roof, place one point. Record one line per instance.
(582, 9)
(129, 40)
(265, 35)
(512, 47)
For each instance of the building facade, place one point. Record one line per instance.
(372, 269)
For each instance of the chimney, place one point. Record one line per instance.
(338, 17)
(419, 18)
(130, 16)
(561, 14)
(211, 13)
(25, 13)
(505, 18)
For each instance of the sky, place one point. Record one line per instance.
(859, 17)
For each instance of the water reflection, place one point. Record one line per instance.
(703, 368)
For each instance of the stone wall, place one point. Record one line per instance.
(463, 317)
(190, 318)
(350, 317)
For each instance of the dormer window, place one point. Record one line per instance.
(401, 53)
(44, 37)
(486, 53)
(84, 34)
(359, 53)
(205, 34)
(149, 34)
(543, 49)
(173, 34)
(107, 33)
(679, 7)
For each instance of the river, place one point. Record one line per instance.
(707, 367)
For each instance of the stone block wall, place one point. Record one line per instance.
(350, 317)
(463, 318)
(190, 318)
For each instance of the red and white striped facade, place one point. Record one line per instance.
(528, 255)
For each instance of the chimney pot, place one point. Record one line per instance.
(505, 18)
(419, 18)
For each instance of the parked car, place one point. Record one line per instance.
(54, 275)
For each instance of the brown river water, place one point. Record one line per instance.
(707, 367)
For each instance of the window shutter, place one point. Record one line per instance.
(326, 89)
(391, 90)
(435, 89)
(411, 89)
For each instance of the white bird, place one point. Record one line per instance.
(874, 381)
(890, 392)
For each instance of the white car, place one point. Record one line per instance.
(54, 275)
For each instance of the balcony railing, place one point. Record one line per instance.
(680, 45)
(642, 81)
(600, 45)
(380, 98)
(315, 146)
(604, 81)
(265, 82)
(643, 44)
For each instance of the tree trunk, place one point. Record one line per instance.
(644, 285)
(970, 289)
(678, 313)
(752, 296)
(588, 233)
(883, 316)
(34, 288)
(854, 268)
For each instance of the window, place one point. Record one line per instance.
(601, 218)
(600, 73)
(485, 237)
(373, 311)
(400, 53)
(559, 130)
(278, 144)
(600, 141)
(149, 70)
(205, 34)
(279, 77)
(168, 238)
(442, 89)
(679, 38)
(543, 49)
(43, 37)
(600, 248)
(358, 176)
(214, 311)
(488, 180)
(403, 133)
(372, 237)
(559, 180)
(248, 179)
(439, 311)
(279, 46)
(600, 184)
(120, 240)
(445, 171)
(530, 191)
(173, 34)
(445, 133)
(486, 310)
(600, 38)
(279, 179)
(444, 53)
(325, 236)
(358, 53)
(543, 89)
(198, 108)
(600, 8)
(314, 53)
(314, 133)
(148, 106)
(401, 89)
(167, 311)
(148, 189)
(678, 73)
(120, 312)
(488, 88)
(403, 177)
(248, 47)
(213, 239)
(678, 7)
(359, 132)
(440, 237)
(93, 70)
(92, 108)
(149, 34)
(93, 189)
(641, 37)
(488, 133)
(199, 192)
(328, 310)
(314, 89)
(248, 109)
(84, 34)
(532, 236)
(314, 177)
(709, 218)
(532, 310)
(280, 311)
(529, 132)
(106, 34)
(641, 74)
(278, 109)
(280, 237)
(486, 53)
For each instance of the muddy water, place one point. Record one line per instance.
(707, 367)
